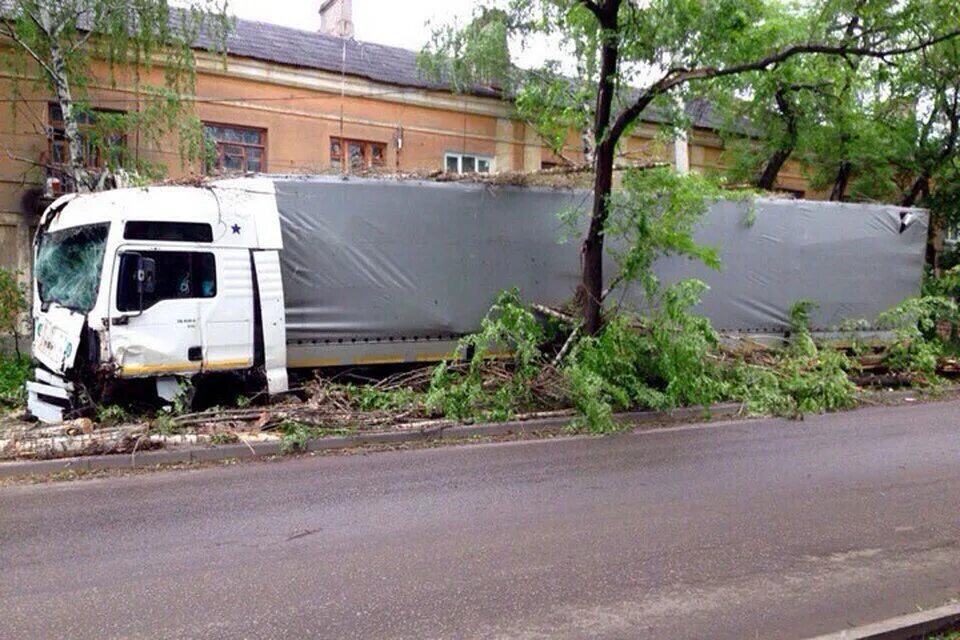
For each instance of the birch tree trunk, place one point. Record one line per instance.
(59, 76)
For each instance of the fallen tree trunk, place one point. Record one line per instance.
(59, 442)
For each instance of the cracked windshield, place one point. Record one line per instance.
(68, 266)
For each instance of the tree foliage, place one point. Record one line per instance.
(508, 325)
(885, 129)
(71, 47)
(13, 304)
(654, 215)
(811, 110)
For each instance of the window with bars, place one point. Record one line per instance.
(357, 154)
(237, 149)
(95, 156)
(467, 163)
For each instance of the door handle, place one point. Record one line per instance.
(194, 354)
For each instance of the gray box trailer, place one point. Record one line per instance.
(382, 259)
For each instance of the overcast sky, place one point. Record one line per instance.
(400, 23)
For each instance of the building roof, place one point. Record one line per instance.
(313, 50)
(376, 62)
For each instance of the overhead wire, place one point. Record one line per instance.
(208, 99)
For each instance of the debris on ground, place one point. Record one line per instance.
(548, 374)
(338, 407)
(573, 176)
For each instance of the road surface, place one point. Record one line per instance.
(763, 529)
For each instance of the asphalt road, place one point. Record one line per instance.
(765, 529)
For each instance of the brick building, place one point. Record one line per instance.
(307, 101)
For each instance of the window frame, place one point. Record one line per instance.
(459, 157)
(202, 231)
(150, 252)
(57, 137)
(340, 160)
(219, 168)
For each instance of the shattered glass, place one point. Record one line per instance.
(69, 265)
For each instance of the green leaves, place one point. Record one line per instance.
(863, 128)
(654, 215)
(472, 56)
(510, 327)
(554, 105)
(631, 56)
(13, 301)
(917, 324)
(13, 305)
(659, 360)
(14, 373)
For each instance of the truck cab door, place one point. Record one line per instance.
(227, 318)
(155, 311)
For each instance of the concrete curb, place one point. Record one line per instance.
(213, 453)
(908, 627)
(641, 420)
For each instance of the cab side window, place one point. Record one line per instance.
(179, 275)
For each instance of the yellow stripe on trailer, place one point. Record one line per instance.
(242, 363)
(306, 363)
(435, 357)
(379, 359)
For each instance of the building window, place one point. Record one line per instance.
(465, 163)
(94, 156)
(236, 149)
(357, 154)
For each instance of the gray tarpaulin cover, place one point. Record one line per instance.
(854, 260)
(368, 258)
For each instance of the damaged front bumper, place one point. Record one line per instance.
(49, 397)
(56, 341)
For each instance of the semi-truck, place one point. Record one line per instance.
(264, 274)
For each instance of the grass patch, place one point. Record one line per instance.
(224, 438)
(112, 415)
(14, 373)
(295, 435)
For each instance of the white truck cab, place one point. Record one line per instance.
(156, 282)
